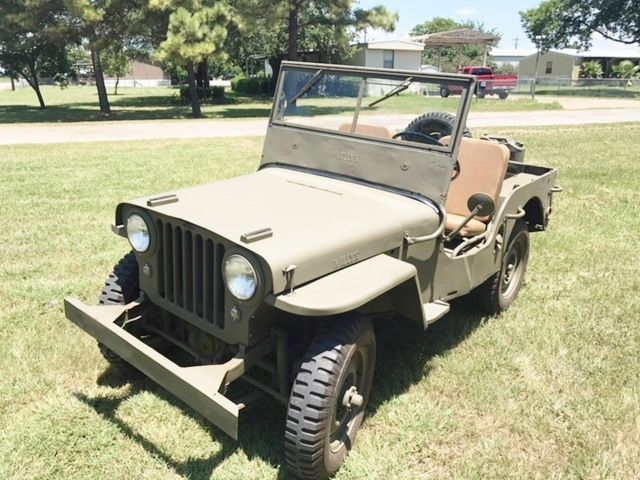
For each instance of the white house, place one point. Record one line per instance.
(396, 54)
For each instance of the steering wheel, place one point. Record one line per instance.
(423, 136)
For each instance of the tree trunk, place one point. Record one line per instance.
(193, 92)
(202, 75)
(35, 84)
(275, 63)
(102, 91)
(13, 84)
(292, 30)
(115, 91)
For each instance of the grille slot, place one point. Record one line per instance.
(190, 272)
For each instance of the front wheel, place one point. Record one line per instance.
(329, 397)
(121, 286)
(444, 92)
(501, 289)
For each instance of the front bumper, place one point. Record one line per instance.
(199, 386)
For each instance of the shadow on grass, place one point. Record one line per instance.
(128, 106)
(403, 360)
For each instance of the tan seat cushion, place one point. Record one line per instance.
(473, 227)
(368, 130)
(483, 165)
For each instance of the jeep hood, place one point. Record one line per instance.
(318, 224)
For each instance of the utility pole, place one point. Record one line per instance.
(538, 39)
(515, 42)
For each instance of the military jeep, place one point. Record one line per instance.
(358, 210)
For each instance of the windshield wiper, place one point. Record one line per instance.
(308, 86)
(400, 88)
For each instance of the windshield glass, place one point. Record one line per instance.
(383, 106)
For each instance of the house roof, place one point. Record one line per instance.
(393, 45)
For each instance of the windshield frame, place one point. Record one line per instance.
(466, 82)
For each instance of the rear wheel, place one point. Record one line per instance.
(329, 397)
(121, 286)
(503, 95)
(444, 92)
(501, 289)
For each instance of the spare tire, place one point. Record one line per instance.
(436, 125)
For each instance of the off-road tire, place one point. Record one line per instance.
(435, 125)
(121, 286)
(317, 394)
(503, 95)
(499, 292)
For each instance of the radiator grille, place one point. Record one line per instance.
(190, 272)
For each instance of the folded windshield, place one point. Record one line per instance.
(376, 104)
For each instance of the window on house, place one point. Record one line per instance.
(549, 67)
(388, 57)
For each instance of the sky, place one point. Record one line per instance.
(499, 14)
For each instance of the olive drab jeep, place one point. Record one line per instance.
(371, 198)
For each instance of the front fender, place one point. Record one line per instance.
(354, 286)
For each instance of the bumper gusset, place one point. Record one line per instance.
(199, 386)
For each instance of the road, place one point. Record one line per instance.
(170, 129)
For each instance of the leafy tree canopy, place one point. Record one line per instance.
(559, 22)
(33, 40)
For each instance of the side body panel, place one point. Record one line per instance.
(443, 277)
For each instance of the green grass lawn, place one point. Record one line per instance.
(550, 389)
(80, 103)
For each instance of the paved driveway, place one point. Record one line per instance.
(161, 129)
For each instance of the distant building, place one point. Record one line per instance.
(143, 74)
(396, 54)
(510, 56)
(565, 63)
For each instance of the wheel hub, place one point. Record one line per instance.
(352, 398)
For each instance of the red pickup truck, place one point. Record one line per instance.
(487, 83)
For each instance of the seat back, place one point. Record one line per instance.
(368, 130)
(483, 165)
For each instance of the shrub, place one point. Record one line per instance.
(206, 94)
(254, 85)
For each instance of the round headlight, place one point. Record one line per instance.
(240, 277)
(138, 233)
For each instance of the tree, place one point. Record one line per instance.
(282, 29)
(561, 21)
(448, 57)
(197, 31)
(116, 63)
(33, 41)
(103, 24)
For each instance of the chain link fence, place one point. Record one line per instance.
(582, 87)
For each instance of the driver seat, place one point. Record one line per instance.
(483, 166)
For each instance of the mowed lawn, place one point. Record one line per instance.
(550, 389)
(80, 104)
